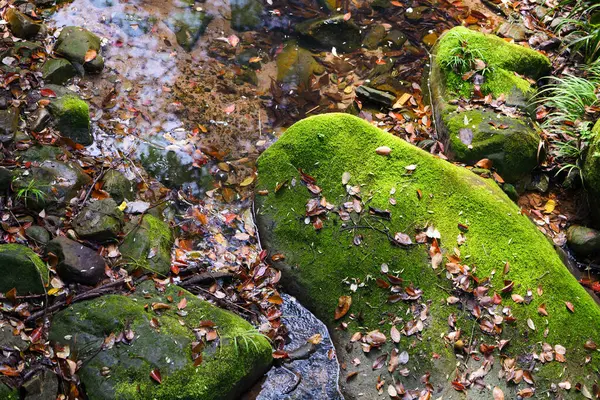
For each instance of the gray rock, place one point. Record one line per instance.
(74, 42)
(11, 341)
(118, 186)
(39, 119)
(21, 25)
(246, 15)
(584, 241)
(9, 123)
(38, 234)
(54, 184)
(539, 183)
(22, 269)
(516, 31)
(100, 221)
(58, 71)
(374, 37)
(376, 96)
(42, 386)
(331, 32)
(76, 263)
(41, 153)
(395, 39)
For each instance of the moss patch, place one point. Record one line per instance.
(226, 369)
(22, 269)
(502, 59)
(72, 117)
(318, 263)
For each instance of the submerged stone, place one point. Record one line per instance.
(76, 262)
(100, 221)
(22, 270)
(490, 66)
(584, 241)
(330, 32)
(374, 37)
(188, 26)
(74, 42)
(72, 115)
(21, 25)
(148, 245)
(296, 65)
(351, 261)
(246, 15)
(58, 71)
(376, 96)
(38, 234)
(228, 366)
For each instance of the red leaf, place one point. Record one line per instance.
(47, 92)
(155, 374)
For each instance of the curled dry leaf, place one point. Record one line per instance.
(395, 334)
(530, 324)
(155, 375)
(344, 303)
(570, 306)
(498, 393)
(90, 55)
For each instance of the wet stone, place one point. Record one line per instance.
(5, 180)
(38, 234)
(71, 114)
(376, 96)
(584, 241)
(374, 37)
(21, 269)
(331, 32)
(148, 245)
(395, 39)
(188, 26)
(518, 32)
(76, 262)
(100, 221)
(118, 186)
(74, 43)
(42, 386)
(58, 71)
(39, 119)
(21, 25)
(295, 66)
(9, 123)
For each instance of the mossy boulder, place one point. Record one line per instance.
(591, 172)
(148, 245)
(72, 115)
(74, 42)
(334, 31)
(246, 15)
(21, 269)
(8, 393)
(584, 241)
(118, 186)
(295, 66)
(411, 192)
(100, 221)
(165, 340)
(21, 25)
(50, 185)
(58, 71)
(188, 25)
(468, 63)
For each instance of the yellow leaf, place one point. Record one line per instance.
(549, 207)
(53, 291)
(123, 206)
(247, 181)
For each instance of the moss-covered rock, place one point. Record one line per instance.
(330, 32)
(374, 36)
(148, 245)
(246, 15)
(321, 265)
(591, 172)
(584, 241)
(296, 65)
(72, 115)
(49, 185)
(166, 340)
(38, 234)
(21, 269)
(8, 393)
(188, 25)
(58, 71)
(118, 186)
(74, 42)
(21, 25)
(100, 221)
(497, 67)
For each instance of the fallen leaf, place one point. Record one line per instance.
(344, 303)
(90, 55)
(155, 374)
(383, 151)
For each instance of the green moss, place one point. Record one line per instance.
(502, 59)
(72, 118)
(148, 245)
(318, 261)
(21, 268)
(225, 371)
(509, 142)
